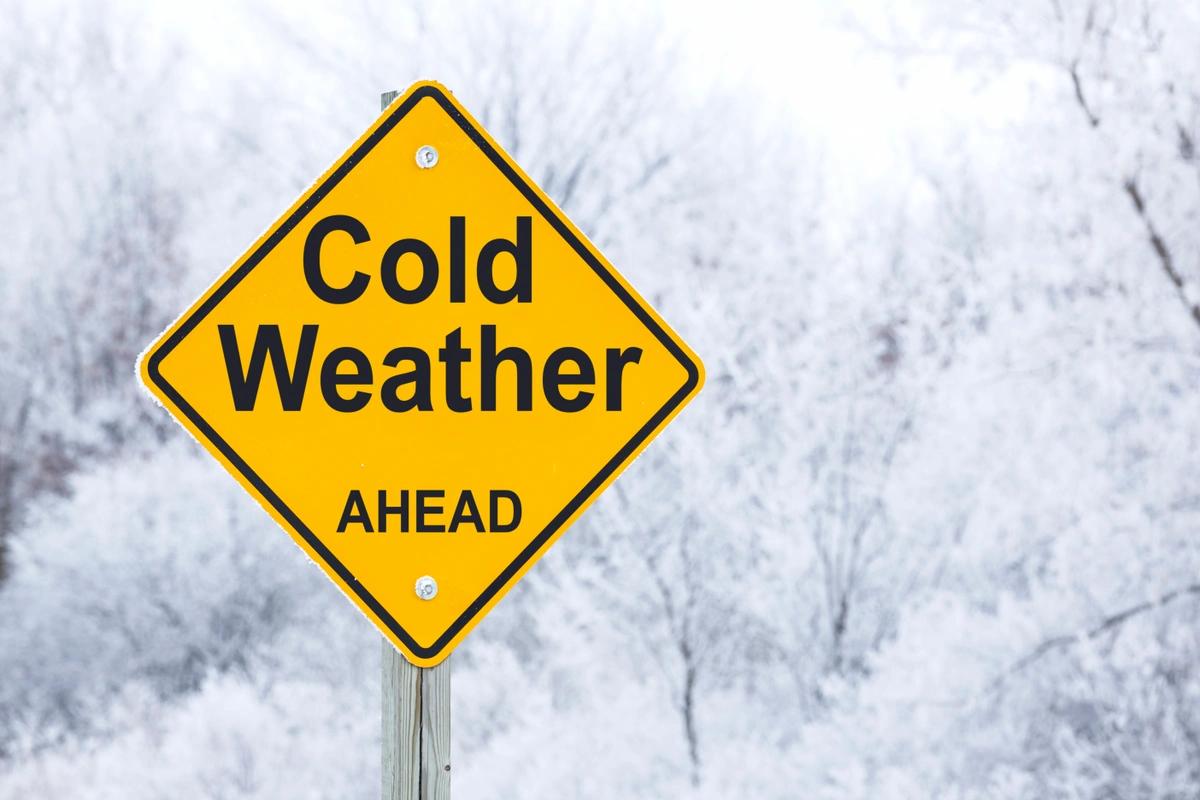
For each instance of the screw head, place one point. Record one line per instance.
(427, 156)
(426, 587)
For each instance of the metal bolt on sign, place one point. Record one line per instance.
(426, 587)
(427, 156)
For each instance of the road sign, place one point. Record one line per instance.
(423, 371)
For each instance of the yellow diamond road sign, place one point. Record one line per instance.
(423, 371)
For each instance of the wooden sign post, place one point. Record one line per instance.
(416, 712)
(416, 728)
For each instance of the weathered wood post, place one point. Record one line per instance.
(416, 713)
(416, 729)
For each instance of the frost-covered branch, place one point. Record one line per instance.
(1107, 624)
(1165, 259)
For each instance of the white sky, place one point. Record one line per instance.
(815, 69)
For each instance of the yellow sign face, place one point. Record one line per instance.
(424, 372)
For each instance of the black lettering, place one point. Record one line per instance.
(312, 259)
(418, 376)
(522, 252)
(489, 364)
(391, 280)
(453, 355)
(458, 260)
(424, 510)
(616, 360)
(400, 510)
(267, 344)
(466, 511)
(494, 498)
(355, 512)
(331, 379)
(553, 378)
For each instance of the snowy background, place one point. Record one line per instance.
(930, 531)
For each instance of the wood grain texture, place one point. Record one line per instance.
(416, 729)
(435, 732)
(401, 726)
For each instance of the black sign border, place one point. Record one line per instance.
(156, 357)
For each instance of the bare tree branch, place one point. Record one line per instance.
(1107, 624)
(1080, 98)
(1159, 245)
(1133, 191)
